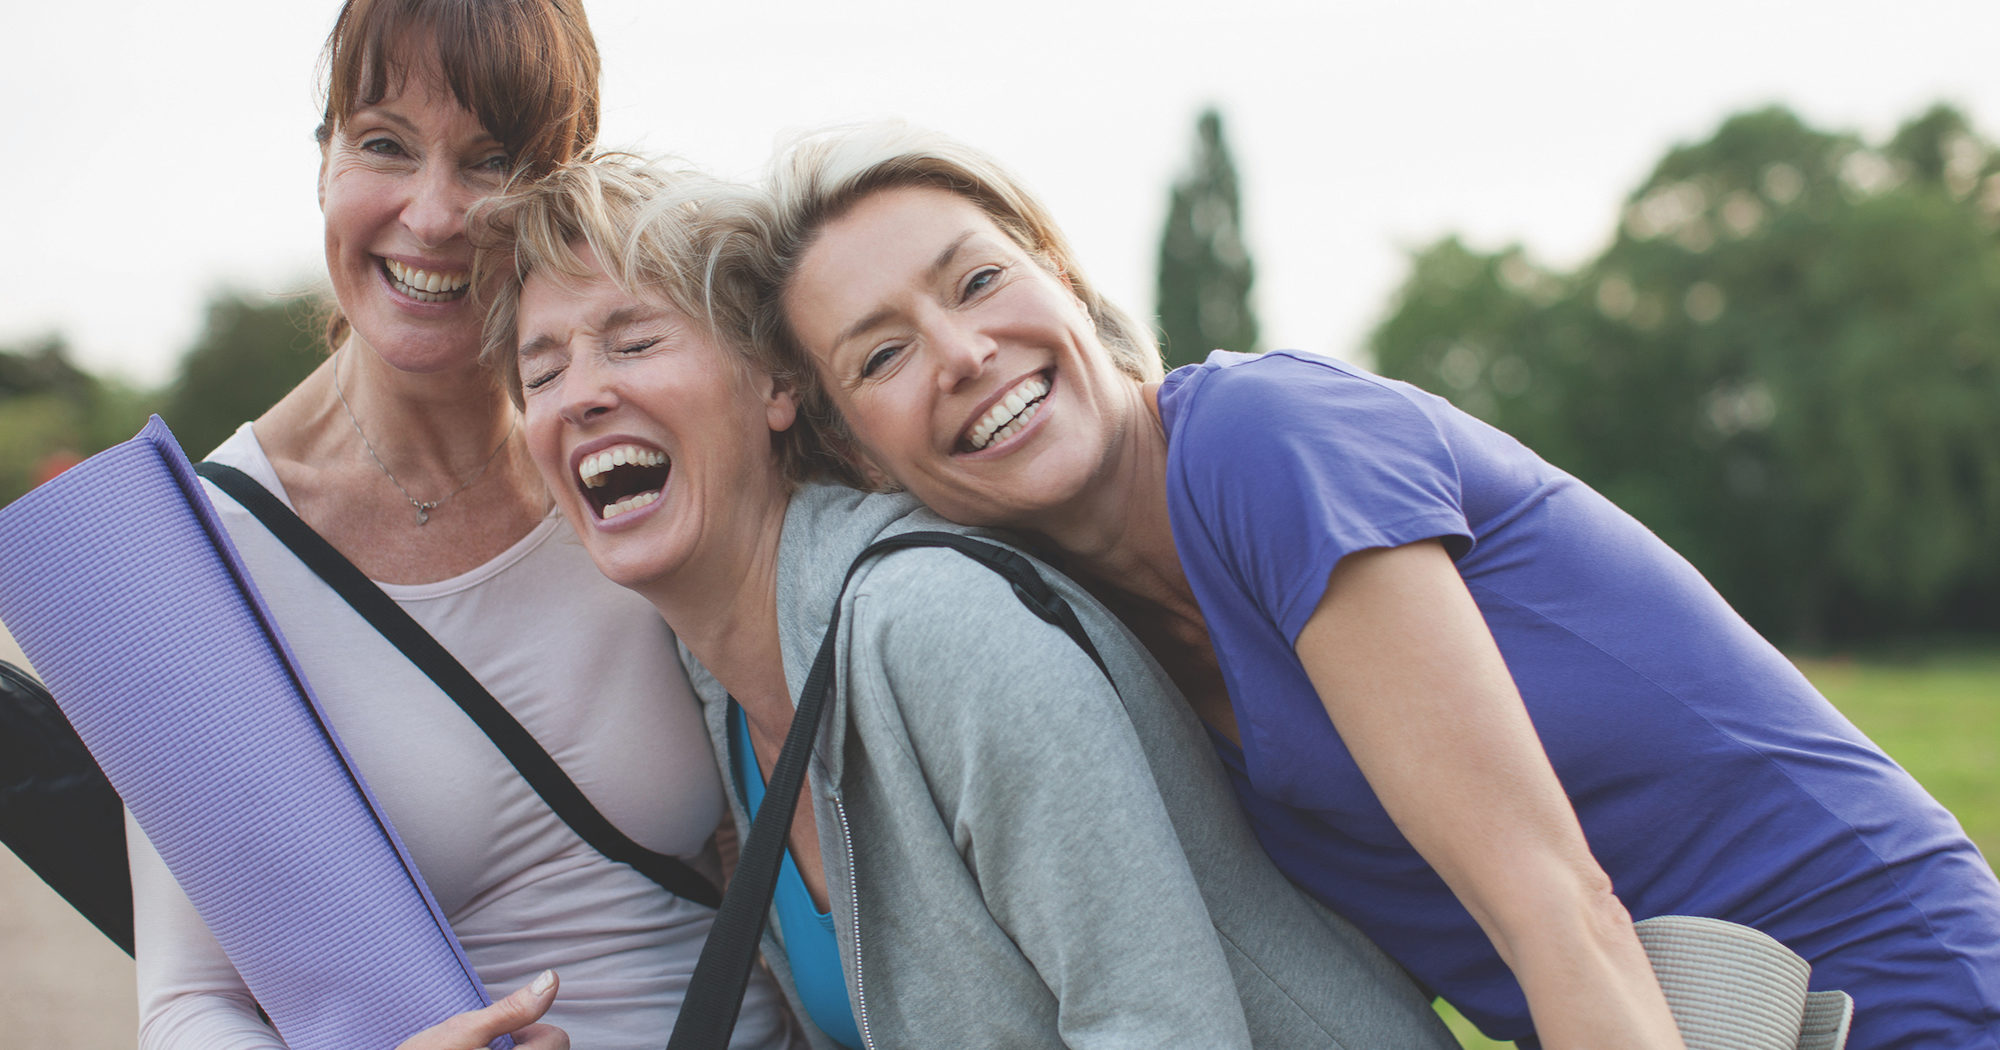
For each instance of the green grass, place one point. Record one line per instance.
(1937, 713)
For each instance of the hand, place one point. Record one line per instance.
(514, 1015)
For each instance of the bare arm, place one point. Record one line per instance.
(1407, 670)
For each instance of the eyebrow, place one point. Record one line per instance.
(539, 344)
(937, 266)
(616, 319)
(622, 317)
(381, 112)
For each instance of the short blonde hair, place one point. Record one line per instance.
(824, 175)
(657, 231)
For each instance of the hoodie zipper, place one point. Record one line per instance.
(854, 902)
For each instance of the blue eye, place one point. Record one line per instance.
(980, 281)
(386, 147)
(879, 360)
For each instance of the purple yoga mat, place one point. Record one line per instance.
(122, 588)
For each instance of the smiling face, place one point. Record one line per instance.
(396, 180)
(963, 368)
(655, 442)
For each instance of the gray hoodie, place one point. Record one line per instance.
(1018, 856)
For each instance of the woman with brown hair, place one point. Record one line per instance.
(405, 454)
(1464, 700)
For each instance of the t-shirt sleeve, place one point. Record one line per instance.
(1284, 466)
(190, 996)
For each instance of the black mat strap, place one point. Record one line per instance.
(518, 745)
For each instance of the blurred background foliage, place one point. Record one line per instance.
(250, 351)
(1786, 362)
(1205, 273)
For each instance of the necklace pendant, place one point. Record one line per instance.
(423, 515)
(424, 508)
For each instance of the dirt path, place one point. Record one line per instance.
(62, 985)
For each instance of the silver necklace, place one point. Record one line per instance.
(424, 507)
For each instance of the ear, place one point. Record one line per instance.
(324, 152)
(781, 406)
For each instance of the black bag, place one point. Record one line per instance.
(57, 811)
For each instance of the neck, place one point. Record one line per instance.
(1117, 533)
(428, 428)
(724, 608)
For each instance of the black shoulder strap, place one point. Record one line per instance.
(515, 742)
(715, 991)
(1034, 592)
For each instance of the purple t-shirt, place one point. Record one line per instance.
(1709, 776)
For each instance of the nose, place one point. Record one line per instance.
(587, 392)
(962, 353)
(438, 202)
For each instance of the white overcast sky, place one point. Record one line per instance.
(155, 152)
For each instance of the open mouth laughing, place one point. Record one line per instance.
(426, 286)
(1008, 416)
(622, 478)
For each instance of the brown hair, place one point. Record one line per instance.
(824, 175)
(527, 69)
(658, 232)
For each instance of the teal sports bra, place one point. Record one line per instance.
(808, 932)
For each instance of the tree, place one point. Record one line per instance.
(53, 413)
(1786, 363)
(1205, 269)
(251, 350)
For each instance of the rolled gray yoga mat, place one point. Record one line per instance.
(120, 584)
(1732, 987)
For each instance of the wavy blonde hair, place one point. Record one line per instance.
(659, 231)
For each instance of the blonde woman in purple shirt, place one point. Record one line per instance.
(1465, 700)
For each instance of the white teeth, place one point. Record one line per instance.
(1009, 414)
(427, 285)
(593, 468)
(629, 504)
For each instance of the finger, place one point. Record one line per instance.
(476, 1028)
(541, 1037)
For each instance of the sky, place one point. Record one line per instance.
(156, 153)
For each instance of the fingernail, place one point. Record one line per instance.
(543, 983)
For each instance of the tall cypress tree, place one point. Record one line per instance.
(1205, 269)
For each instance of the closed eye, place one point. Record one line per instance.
(538, 379)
